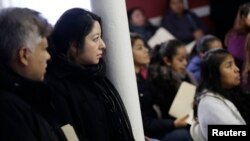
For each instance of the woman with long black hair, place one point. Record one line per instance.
(219, 99)
(84, 96)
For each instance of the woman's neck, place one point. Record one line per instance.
(137, 69)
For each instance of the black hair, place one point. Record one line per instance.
(169, 49)
(166, 49)
(244, 10)
(72, 27)
(169, 1)
(132, 10)
(210, 81)
(204, 44)
(239, 23)
(210, 70)
(134, 37)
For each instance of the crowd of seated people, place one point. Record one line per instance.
(39, 98)
(170, 65)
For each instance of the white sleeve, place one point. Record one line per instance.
(212, 110)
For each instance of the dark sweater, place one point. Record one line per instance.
(153, 125)
(85, 98)
(25, 110)
(182, 27)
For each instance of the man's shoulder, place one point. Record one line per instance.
(11, 102)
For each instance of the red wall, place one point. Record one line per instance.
(153, 8)
(206, 20)
(197, 3)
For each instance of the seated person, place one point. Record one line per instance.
(245, 83)
(139, 24)
(26, 112)
(183, 24)
(169, 72)
(235, 39)
(206, 43)
(164, 129)
(219, 99)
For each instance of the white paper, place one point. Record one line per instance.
(190, 46)
(183, 102)
(160, 36)
(69, 132)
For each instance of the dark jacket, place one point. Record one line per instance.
(146, 31)
(182, 27)
(86, 98)
(167, 84)
(153, 125)
(25, 110)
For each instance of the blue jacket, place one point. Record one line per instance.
(194, 67)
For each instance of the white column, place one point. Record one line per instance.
(9, 3)
(3, 3)
(119, 59)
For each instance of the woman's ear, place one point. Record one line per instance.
(72, 52)
(23, 56)
(73, 48)
(166, 61)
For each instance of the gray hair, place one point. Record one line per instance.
(20, 27)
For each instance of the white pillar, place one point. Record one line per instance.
(119, 59)
(9, 3)
(3, 3)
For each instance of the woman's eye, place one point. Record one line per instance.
(140, 47)
(229, 65)
(96, 39)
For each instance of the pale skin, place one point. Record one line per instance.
(181, 122)
(138, 18)
(177, 6)
(179, 60)
(140, 55)
(198, 33)
(216, 44)
(247, 20)
(93, 49)
(31, 60)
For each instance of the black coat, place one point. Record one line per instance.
(167, 83)
(25, 111)
(182, 27)
(146, 31)
(86, 98)
(153, 125)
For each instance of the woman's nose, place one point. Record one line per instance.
(102, 44)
